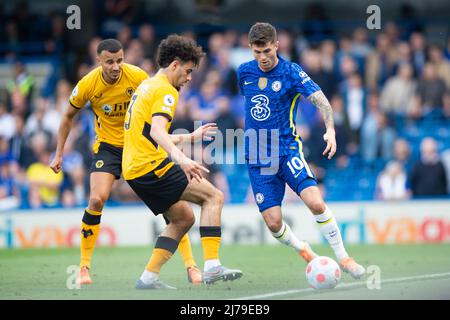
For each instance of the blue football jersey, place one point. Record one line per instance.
(271, 100)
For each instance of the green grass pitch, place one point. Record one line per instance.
(270, 273)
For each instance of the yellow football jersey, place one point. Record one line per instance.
(141, 154)
(108, 101)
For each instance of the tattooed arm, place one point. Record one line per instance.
(321, 102)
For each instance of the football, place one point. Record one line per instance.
(323, 273)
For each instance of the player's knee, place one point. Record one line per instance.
(274, 224)
(317, 207)
(189, 221)
(96, 203)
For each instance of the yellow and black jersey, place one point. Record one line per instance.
(108, 101)
(141, 154)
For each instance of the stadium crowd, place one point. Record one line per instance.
(390, 91)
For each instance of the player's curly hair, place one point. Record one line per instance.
(262, 33)
(178, 47)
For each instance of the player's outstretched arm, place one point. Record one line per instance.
(158, 132)
(63, 132)
(321, 102)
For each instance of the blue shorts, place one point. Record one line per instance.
(269, 184)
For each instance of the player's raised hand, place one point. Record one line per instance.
(330, 139)
(56, 164)
(205, 132)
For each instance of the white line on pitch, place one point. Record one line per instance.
(345, 285)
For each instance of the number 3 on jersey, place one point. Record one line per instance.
(128, 115)
(295, 165)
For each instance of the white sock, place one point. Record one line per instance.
(330, 230)
(147, 277)
(211, 264)
(287, 237)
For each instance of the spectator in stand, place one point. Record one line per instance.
(216, 42)
(7, 126)
(312, 65)
(227, 74)
(135, 53)
(403, 55)
(22, 82)
(430, 90)
(20, 149)
(446, 162)
(148, 40)
(428, 176)
(242, 53)
(380, 63)
(211, 104)
(8, 194)
(286, 46)
(92, 52)
(149, 66)
(447, 49)
(360, 47)
(42, 119)
(442, 65)
(43, 183)
(354, 96)
(328, 56)
(446, 105)
(398, 92)
(342, 128)
(377, 136)
(402, 154)
(347, 67)
(74, 170)
(125, 35)
(392, 183)
(418, 46)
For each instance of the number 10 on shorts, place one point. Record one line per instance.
(295, 165)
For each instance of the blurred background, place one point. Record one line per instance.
(389, 88)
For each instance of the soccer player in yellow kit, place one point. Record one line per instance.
(108, 88)
(162, 175)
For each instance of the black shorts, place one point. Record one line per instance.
(159, 194)
(107, 159)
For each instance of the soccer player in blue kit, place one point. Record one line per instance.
(271, 87)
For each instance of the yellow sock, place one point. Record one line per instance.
(158, 259)
(163, 251)
(185, 249)
(90, 228)
(210, 247)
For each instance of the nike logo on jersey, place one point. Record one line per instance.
(246, 83)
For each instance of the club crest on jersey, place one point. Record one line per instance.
(107, 108)
(129, 91)
(260, 111)
(276, 86)
(99, 164)
(169, 100)
(259, 198)
(262, 83)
